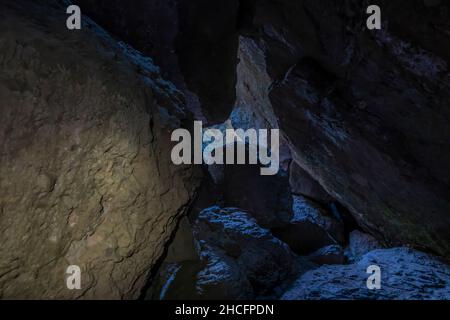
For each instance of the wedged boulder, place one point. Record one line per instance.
(406, 274)
(359, 244)
(333, 254)
(85, 172)
(311, 228)
(233, 244)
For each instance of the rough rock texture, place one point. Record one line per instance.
(303, 184)
(241, 256)
(359, 244)
(85, 171)
(406, 274)
(310, 228)
(366, 112)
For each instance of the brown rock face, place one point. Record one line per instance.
(85, 171)
(366, 112)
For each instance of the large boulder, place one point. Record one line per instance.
(266, 198)
(406, 274)
(85, 172)
(234, 258)
(365, 111)
(311, 227)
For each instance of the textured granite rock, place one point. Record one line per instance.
(406, 274)
(85, 171)
(365, 112)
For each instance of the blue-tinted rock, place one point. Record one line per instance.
(406, 274)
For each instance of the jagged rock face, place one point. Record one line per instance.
(366, 112)
(85, 175)
(194, 43)
(406, 275)
(234, 258)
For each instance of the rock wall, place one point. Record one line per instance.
(85, 171)
(407, 275)
(366, 112)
